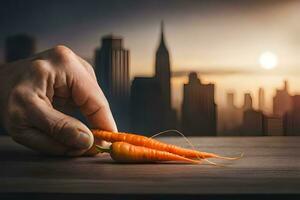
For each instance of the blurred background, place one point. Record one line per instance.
(207, 68)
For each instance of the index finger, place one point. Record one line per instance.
(88, 95)
(73, 79)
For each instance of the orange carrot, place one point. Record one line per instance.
(143, 141)
(128, 153)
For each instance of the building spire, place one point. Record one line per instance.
(162, 30)
(162, 37)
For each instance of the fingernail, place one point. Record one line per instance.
(83, 141)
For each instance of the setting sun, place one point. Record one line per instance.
(268, 60)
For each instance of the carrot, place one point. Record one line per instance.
(127, 153)
(143, 141)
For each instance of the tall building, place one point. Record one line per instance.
(198, 108)
(19, 47)
(292, 117)
(151, 109)
(146, 106)
(163, 69)
(247, 101)
(273, 126)
(112, 70)
(261, 99)
(252, 123)
(282, 102)
(232, 117)
(163, 77)
(252, 119)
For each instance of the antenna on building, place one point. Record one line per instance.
(162, 27)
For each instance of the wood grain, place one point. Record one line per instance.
(271, 166)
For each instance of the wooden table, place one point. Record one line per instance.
(269, 169)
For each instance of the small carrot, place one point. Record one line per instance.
(128, 153)
(143, 141)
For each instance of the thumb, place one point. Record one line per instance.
(61, 127)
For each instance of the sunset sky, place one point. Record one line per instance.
(213, 37)
(201, 35)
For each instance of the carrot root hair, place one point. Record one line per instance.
(195, 149)
(230, 158)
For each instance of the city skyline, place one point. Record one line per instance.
(204, 36)
(253, 87)
(151, 95)
(221, 41)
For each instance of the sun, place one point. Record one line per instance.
(268, 60)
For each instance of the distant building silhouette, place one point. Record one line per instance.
(282, 102)
(247, 101)
(153, 94)
(112, 70)
(252, 119)
(292, 117)
(273, 126)
(146, 106)
(252, 123)
(19, 47)
(198, 108)
(232, 117)
(261, 99)
(163, 77)
(163, 69)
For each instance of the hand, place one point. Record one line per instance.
(35, 94)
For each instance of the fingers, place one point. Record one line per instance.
(52, 75)
(88, 67)
(84, 89)
(93, 104)
(62, 128)
(35, 124)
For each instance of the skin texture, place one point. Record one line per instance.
(36, 95)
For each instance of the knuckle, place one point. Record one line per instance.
(62, 54)
(18, 94)
(40, 68)
(20, 102)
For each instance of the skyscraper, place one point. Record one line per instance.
(231, 117)
(282, 102)
(247, 101)
(163, 69)
(146, 106)
(112, 70)
(151, 109)
(261, 99)
(292, 117)
(19, 47)
(252, 119)
(252, 123)
(163, 77)
(273, 126)
(198, 107)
